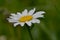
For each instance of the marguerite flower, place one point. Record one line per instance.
(25, 17)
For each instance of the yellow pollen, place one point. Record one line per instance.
(25, 18)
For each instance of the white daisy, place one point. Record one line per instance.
(25, 17)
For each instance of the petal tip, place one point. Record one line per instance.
(34, 8)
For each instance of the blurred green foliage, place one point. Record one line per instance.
(48, 29)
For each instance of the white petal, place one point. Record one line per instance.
(31, 11)
(41, 12)
(29, 23)
(38, 14)
(11, 20)
(18, 13)
(22, 24)
(14, 18)
(15, 24)
(11, 17)
(35, 21)
(24, 13)
(13, 14)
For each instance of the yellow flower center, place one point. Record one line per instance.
(25, 18)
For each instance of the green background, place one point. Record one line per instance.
(48, 29)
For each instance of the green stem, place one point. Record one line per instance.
(29, 30)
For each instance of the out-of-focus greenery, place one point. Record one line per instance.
(48, 29)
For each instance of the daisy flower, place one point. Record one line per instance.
(25, 17)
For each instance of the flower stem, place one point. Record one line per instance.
(29, 30)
